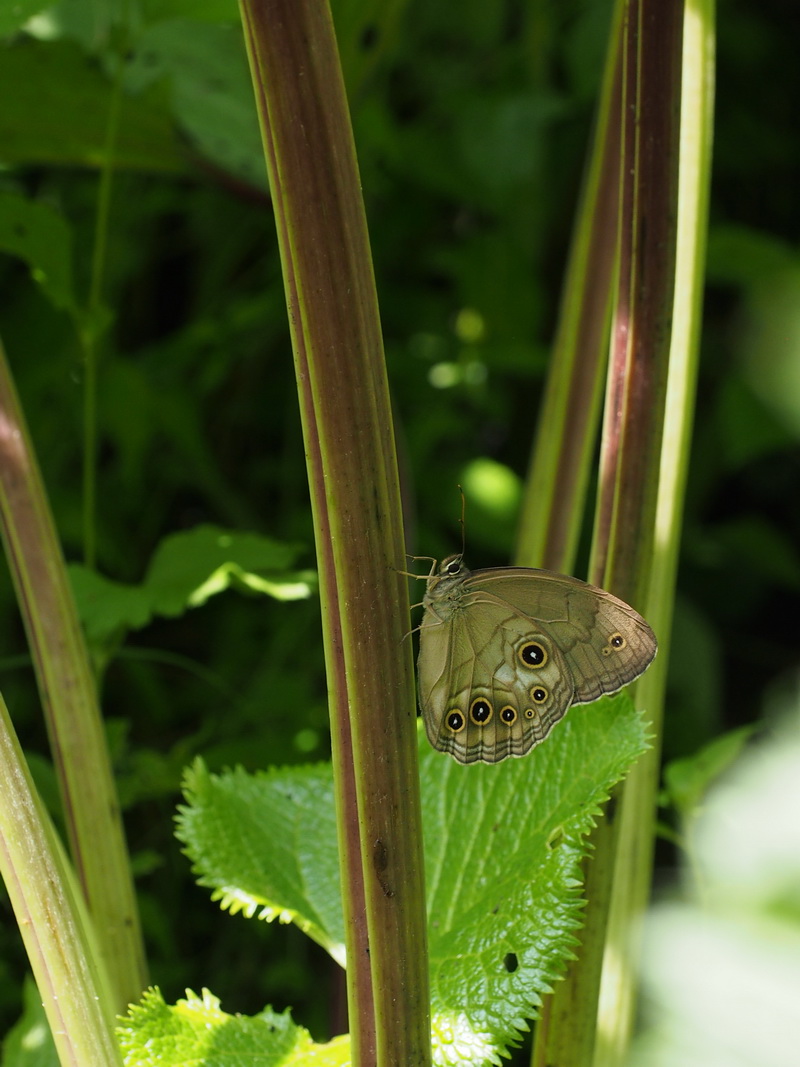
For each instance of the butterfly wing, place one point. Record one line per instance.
(605, 643)
(491, 683)
(514, 651)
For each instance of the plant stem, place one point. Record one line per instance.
(90, 331)
(632, 875)
(625, 519)
(355, 499)
(556, 487)
(72, 981)
(69, 699)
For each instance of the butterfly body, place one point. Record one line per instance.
(504, 653)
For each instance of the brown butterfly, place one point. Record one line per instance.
(505, 652)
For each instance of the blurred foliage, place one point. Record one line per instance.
(471, 126)
(723, 964)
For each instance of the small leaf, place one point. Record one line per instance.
(687, 780)
(212, 92)
(37, 234)
(29, 1042)
(197, 1031)
(188, 567)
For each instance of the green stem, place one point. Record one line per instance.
(92, 328)
(557, 482)
(355, 499)
(625, 551)
(69, 700)
(632, 875)
(74, 987)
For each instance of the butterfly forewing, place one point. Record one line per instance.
(605, 642)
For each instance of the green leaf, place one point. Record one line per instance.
(37, 234)
(60, 114)
(212, 93)
(207, 11)
(108, 609)
(197, 1031)
(186, 569)
(29, 1042)
(503, 851)
(503, 847)
(756, 544)
(742, 255)
(768, 339)
(743, 426)
(266, 845)
(503, 140)
(15, 13)
(686, 781)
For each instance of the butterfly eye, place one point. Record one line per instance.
(480, 711)
(453, 567)
(456, 721)
(509, 715)
(539, 694)
(616, 642)
(533, 654)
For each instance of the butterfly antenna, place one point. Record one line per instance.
(463, 523)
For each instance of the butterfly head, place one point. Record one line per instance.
(452, 567)
(446, 581)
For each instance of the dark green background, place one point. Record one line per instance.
(471, 124)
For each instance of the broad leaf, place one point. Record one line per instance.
(29, 1042)
(503, 847)
(266, 845)
(212, 94)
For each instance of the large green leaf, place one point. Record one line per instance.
(503, 847)
(212, 94)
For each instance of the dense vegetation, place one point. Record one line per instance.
(471, 127)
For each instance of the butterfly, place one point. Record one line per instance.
(505, 652)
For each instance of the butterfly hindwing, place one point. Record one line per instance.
(489, 699)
